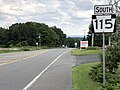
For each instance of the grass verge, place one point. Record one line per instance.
(25, 48)
(81, 79)
(78, 52)
(7, 51)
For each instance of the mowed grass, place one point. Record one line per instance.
(7, 51)
(78, 52)
(81, 79)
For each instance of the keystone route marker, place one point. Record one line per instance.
(104, 21)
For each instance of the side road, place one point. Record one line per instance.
(86, 59)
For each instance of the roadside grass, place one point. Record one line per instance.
(78, 52)
(25, 48)
(8, 51)
(81, 79)
(31, 48)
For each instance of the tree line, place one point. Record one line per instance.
(29, 33)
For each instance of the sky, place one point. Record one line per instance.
(72, 16)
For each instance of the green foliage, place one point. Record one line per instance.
(96, 73)
(93, 48)
(116, 35)
(8, 51)
(81, 79)
(70, 42)
(98, 40)
(18, 44)
(25, 49)
(27, 34)
(113, 81)
(11, 45)
(24, 43)
(113, 57)
(61, 37)
(112, 68)
(78, 52)
(112, 62)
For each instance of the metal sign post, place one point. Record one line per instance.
(103, 22)
(104, 58)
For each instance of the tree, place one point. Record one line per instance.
(116, 35)
(20, 34)
(61, 35)
(98, 40)
(3, 36)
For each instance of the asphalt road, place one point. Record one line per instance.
(86, 59)
(48, 69)
(41, 70)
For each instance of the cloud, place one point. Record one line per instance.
(83, 4)
(72, 16)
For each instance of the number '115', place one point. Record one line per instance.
(107, 24)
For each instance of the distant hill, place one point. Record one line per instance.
(75, 36)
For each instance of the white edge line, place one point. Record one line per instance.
(34, 80)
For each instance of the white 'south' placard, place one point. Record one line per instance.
(103, 9)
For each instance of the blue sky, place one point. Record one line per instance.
(72, 16)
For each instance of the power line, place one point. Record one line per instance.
(116, 2)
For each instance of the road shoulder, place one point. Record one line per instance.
(58, 76)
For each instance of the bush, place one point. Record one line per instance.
(112, 68)
(113, 57)
(25, 49)
(18, 44)
(24, 43)
(11, 45)
(93, 48)
(113, 81)
(96, 73)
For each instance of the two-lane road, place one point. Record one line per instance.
(51, 70)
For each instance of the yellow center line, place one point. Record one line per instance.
(17, 60)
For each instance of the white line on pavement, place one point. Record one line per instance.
(33, 81)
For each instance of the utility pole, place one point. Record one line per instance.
(39, 39)
(84, 36)
(92, 40)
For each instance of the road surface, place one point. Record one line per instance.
(47, 69)
(37, 70)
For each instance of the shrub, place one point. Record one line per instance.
(25, 49)
(113, 57)
(113, 81)
(112, 68)
(92, 48)
(24, 43)
(96, 73)
(11, 45)
(18, 44)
